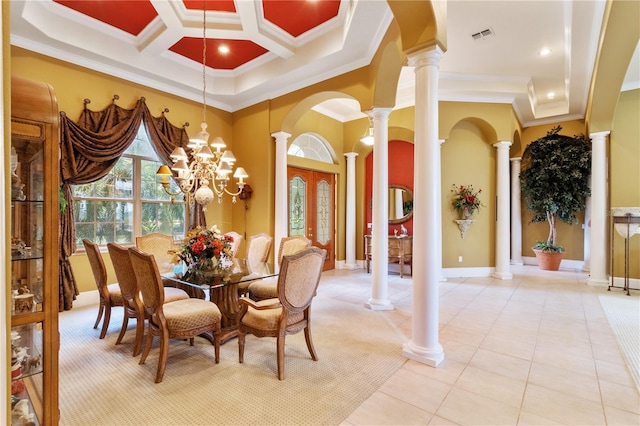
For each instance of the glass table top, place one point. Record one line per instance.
(242, 271)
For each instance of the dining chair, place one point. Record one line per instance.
(158, 245)
(258, 250)
(133, 307)
(267, 288)
(237, 240)
(290, 311)
(110, 294)
(183, 319)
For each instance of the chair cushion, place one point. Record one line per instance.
(264, 289)
(115, 293)
(188, 314)
(267, 319)
(171, 294)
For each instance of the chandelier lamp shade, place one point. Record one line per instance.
(206, 175)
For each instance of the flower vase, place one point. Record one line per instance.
(465, 213)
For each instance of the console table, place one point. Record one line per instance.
(400, 251)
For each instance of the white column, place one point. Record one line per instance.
(350, 210)
(281, 228)
(502, 270)
(380, 215)
(586, 267)
(598, 276)
(439, 219)
(427, 246)
(516, 213)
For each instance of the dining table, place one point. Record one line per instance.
(222, 288)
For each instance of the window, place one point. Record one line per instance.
(311, 146)
(129, 201)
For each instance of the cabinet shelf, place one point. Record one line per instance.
(34, 255)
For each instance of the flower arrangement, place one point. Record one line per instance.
(466, 199)
(205, 249)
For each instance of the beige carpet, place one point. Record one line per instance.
(623, 314)
(102, 384)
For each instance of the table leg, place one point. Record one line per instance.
(226, 298)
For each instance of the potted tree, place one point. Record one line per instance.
(554, 181)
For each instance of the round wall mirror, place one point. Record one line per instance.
(400, 204)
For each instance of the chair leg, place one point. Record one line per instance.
(216, 341)
(280, 344)
(123, 329)
(137, 346)
(100, 311)
(241, 336)
(164, 353)
(147, 346)
(307, 338)
(105, 323)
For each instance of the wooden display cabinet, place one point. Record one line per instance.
(34, 177)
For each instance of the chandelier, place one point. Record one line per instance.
(208, 172)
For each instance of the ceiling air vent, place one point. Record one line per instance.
(483, 34)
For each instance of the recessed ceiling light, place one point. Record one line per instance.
(551, 95)
(223, 49)
(545, 51)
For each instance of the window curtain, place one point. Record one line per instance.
(89, 149)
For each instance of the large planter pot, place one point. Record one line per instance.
(547, 260)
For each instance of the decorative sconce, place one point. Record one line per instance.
(464, 225)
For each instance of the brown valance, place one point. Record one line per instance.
(89, 148)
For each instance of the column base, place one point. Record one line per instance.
(350, 266)
(515, 262)
(379, 305)
(503, 275)
(430, 357)
(597, 283)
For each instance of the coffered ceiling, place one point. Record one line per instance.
(275, 47)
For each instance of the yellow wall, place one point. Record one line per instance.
(624, 168)
(468, 159)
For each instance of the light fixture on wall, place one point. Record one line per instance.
(207, 167)
(368, 138)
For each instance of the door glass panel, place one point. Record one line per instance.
(323, 212)
(297, 206)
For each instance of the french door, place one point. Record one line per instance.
(312, 209)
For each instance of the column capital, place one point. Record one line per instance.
(350, 155)
(441, 141)
(424, 57)
(502, 144)
(281, 135)
(599, 135)
(516, 159)
(378, 113)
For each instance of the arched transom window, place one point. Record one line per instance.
(313, 147)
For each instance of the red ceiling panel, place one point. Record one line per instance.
(217, 5)
(129, 16)
(299, 16)
(240, 51)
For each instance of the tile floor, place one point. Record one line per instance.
(534, 350)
